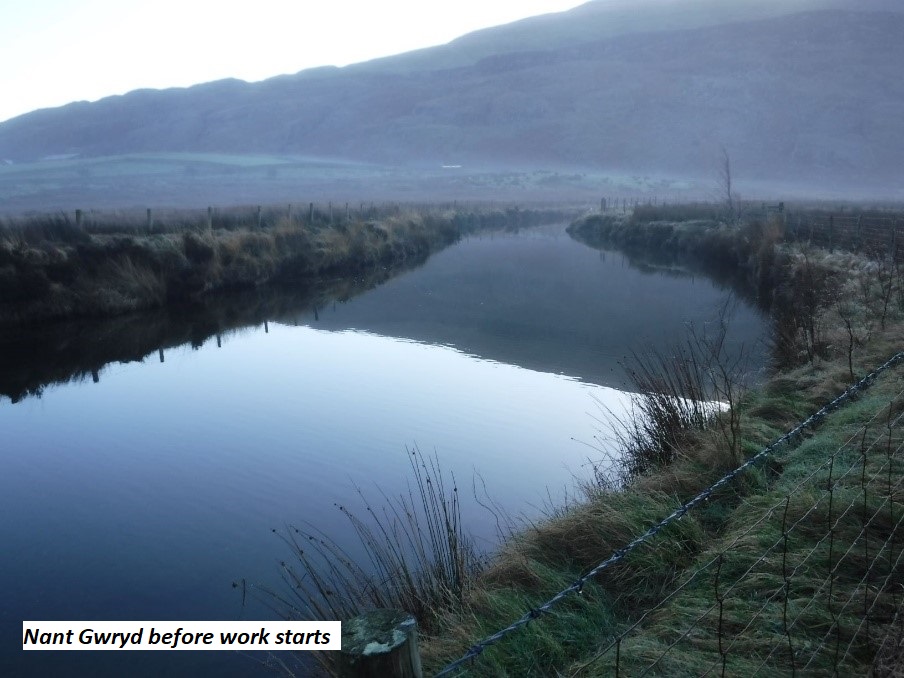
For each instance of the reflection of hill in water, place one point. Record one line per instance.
(33, 358)
(537, 299)
(542, 301)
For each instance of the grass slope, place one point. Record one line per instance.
(745, 520)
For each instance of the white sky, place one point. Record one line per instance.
(56, 51)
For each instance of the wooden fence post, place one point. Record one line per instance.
(894, 240)
(380, 644)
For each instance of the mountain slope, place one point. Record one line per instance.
(814, 94)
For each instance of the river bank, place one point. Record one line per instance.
(52, 268)
(836, 315)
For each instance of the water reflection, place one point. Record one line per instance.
(150, 477)
(542, 301)
(682, 265)
(33, 358)
(146, 496)
(536, 299)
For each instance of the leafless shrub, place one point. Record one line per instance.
(693, 386)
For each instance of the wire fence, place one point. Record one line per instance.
(153, 221)
(798, 603)
(876, 233)
(872, 234)
(794, 602)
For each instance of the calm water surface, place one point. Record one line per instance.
(144, 492)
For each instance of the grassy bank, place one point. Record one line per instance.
(53, 268)
(836, 315)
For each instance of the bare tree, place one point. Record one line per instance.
(726, 190)
(847, 314)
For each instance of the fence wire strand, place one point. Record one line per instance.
(786, 631)
(620, 554)
(834, 570)
(763, 558)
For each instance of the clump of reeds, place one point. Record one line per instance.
(52, 228)
(416, 556)
(670, 405)
(688, 388)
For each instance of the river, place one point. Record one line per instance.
(146, 460)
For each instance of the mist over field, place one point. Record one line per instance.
(608, 98)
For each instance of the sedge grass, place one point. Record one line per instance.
(416, 555)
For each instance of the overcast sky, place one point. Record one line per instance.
(56, 51)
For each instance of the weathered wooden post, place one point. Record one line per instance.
(150, 219)
(893, 248)
(380, 644)
(259, 217)
(78, 219)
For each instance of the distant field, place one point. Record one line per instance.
(200, 179)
